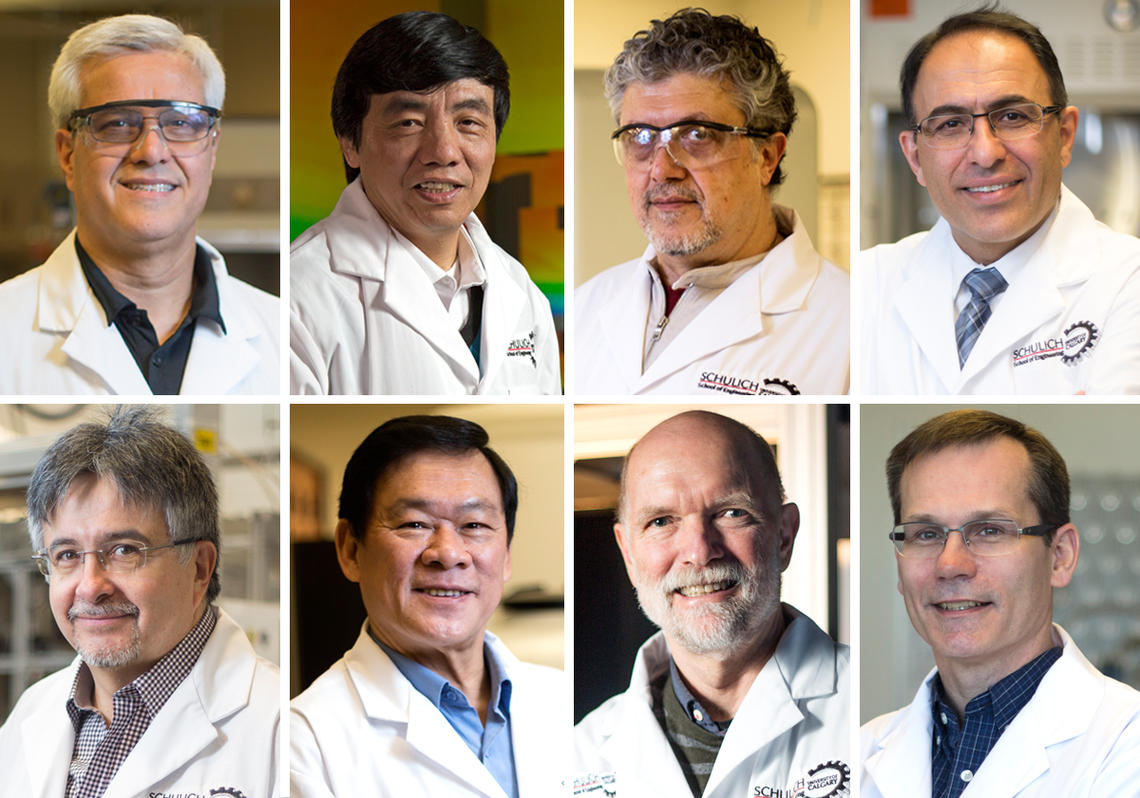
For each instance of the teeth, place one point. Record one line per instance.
(701, 590)
(443, 593)
(988, 189)
(959, 605)
(149, 186)
(438, 186)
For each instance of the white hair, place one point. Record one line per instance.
(124, 34)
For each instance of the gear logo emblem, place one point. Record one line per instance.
(828, 780)
(227, 792)
(1080, 337)
(779, 387)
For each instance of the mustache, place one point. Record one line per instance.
(718, 572)
(82, 608)
(678, 192)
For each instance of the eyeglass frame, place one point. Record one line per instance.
(43, 561)
(1037, 530)
(1046, 110)
(735, 130)
(82, 117)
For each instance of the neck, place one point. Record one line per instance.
(965, 680)
(159, 281)
(464, 668)
(441, 251)
(721, 680)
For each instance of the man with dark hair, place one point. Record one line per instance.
(738, 694)
(982, 538)
(123, 517)
(1017, 288)
(428, 702)
(730, 296)
(401, 290)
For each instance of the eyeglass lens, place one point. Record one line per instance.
(124, 125)
(685, 143)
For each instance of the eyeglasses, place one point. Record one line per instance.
(689, 142)
(951, 131)
(920, 540)
(116, 558)
(184, 126)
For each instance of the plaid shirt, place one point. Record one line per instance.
(958, 750)
(99, 749)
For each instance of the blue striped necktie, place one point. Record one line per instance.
(984, 285)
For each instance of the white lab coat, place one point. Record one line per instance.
(218, 729)
(365, 319)
(1078, 737)
(362, 729)
(57, 341)
(792, 723)
(782, 327)
(1069, 321)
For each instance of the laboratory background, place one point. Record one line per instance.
(1097, 44)
(241, 446)
(327, 610)
(813, 37)
(241, 217)
(812, 447)
(1100, 608)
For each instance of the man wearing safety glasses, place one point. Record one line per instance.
(730, 297)
(133, 302)
(1017, 288)
(166, 696)
(982, 538)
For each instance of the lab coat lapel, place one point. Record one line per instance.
(503, 303)
(925, 303)
(623, 316)
(48, 742)
(899, 766)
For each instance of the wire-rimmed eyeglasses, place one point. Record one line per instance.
(183, 126)
(1008, 123)
(120, 557)
(985, 538)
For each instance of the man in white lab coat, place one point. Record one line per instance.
(1017, 288)
(167, 696)
(132, 302)
(738, 694)
(730, 297)
(982, 538)
(400, 290)
(428, 702)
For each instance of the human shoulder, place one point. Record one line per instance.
(18, 297)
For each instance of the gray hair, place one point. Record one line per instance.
(696, 42)
(121, 35)
(151, 464)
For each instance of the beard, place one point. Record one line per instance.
(721, 626)
(108, 655)
(664, 237)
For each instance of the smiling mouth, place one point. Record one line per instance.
(441, 593)
(990, 189)
(437, 187)
(150, 187)
(692, 591)
(955, 606)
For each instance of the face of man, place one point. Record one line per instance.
(698, 543)
(122, 623)
(425, 158)
(139, 196)
(708, 214)
(993, 193)
(434, 557)
(991, 614)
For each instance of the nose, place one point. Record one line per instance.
(984, 147)
(94, 582)
(147, 148)
(440, 145)
(699, 541)
(446, 548)
(955, 559)
(664, 166)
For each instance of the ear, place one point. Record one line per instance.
(65, 149)
(1068, 118)
(351, 156)
(216, 136)
(908, 141)
(789, 526)
(205, 561)
(771, 152)
(1064, 552)
(623, 545)
(507, 565)
(348, 550)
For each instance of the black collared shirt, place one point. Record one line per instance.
(161, 365)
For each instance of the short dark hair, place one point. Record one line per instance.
(1048, 479)
(152, 466)
(987, 19)
(417, 51)
(394, 441)
(721, 47)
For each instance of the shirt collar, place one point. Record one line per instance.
(203, 298)
(466, 271)
(1004, 699)
(693, 709)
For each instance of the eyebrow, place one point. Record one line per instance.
(1000, 102)
(104, 538)
(433, 505)
(402, 104)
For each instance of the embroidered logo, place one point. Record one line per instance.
(599, 785)
(827, 780)
(1038, 350)
(523, 347)
(725, 383)
(1079, 339)
(228, 792)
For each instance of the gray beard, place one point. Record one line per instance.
(677, 245)
(110, 657)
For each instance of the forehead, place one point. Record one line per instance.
(973, 68)
(155, 75)
(439, 477)
(680, 96)
(94, 506)
(464, 93)
(669, 466)
(992, 475)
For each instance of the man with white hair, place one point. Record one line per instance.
(132, 302)
(738, 694)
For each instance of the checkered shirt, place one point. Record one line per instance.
(984, 285)
(958, 750)
(99, 749)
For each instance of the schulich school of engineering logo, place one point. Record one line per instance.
(523, 347)
(826, 780)
(726, 383)
(1073, 344)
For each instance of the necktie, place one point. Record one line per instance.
(984, 285)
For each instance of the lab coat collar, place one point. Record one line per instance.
(386, 696)
(218, 359)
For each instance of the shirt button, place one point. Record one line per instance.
(698, 716)
(966, 775)
(943, 717)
